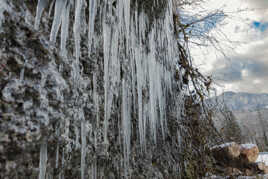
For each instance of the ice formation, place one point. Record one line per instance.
(139, 60)
(40, 8)
(43, 160)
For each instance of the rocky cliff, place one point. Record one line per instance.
(90, 89)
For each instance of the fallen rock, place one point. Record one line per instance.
(226, 153)
(230, 171)
(260, 176)
(239, 160)
(249, 172)
(260, 166)
(248, 153)
(265, 170)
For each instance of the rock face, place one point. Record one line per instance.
(94, 113)
(249, 153)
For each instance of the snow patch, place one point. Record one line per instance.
(263, 157)
(248, 146)
(223, 145)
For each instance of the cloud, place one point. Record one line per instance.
(243, 37)
(239, 69)
(258, 3)
(246, 67)
(230, 72)
(248, 71)
(260, 7)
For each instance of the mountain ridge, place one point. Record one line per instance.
(243, 101)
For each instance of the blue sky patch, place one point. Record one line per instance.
(260, 25)
(204, 26)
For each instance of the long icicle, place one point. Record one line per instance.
(83, 148)
(107, 52)
(43, 160)
(91, 23)
(59, 6)
(77, 28)
(152, 75)
(126, 126)
(65, 28)
(40, 8)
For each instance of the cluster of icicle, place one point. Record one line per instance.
(148, 61)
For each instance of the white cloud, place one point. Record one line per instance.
(261, 7)
(247, 62)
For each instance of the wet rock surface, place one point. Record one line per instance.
(40, 102)
(31, 86)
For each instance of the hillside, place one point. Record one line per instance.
(244, 101)
(250, 111)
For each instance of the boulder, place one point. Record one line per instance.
(260, 166)
(249, 172)
(230, 171)
(226, 153)
(248, 153)
(239, 159)
(265, 170)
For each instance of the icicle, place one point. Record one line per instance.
(40, 8)
(140, 72)
(61, 176)
(57, 149)
(96, 100)
(51, 8)
(160, 96)
(94, 163)
(133, 66)
(126, 4)
(83, 148)
(106, 47)
(66, 128)
(43, 160)
(152, 93)
(60, 5)
(91, 17)
(65, 28)
(77, 28)
(22, 75)
(94, 170)
(120, 15)
(57, 155)
(115, 65)
(140, 77)
(77, 144)
(126, 126)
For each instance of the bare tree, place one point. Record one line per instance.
(262, 140)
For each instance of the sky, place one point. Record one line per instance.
(243, 37)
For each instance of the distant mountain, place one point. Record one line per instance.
(244, 101)
(249, 109)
